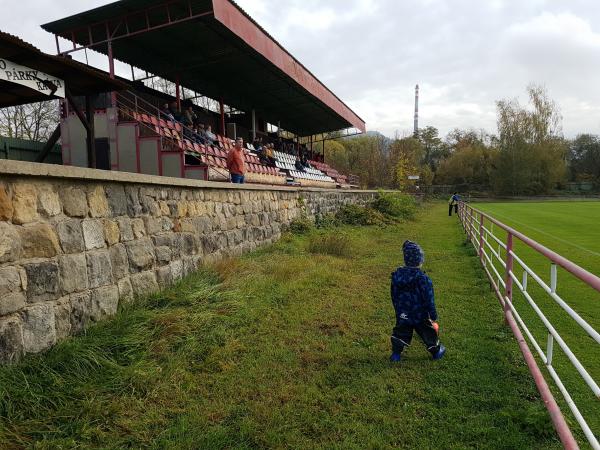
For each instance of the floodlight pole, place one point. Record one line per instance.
(253, 124)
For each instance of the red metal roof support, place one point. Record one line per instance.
(222, 109)
(111, 69)
(178, 93)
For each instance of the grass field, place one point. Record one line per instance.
(572, 230)
(285, 348)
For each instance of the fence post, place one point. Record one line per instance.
(481, 238)
(508, 295)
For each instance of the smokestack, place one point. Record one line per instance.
(416, 110)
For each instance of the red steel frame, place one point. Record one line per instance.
(118, 27)
(468, 215)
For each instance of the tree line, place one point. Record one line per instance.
(528, 154)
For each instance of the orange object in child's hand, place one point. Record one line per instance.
(436, 326)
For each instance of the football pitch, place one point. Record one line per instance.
(571, 229)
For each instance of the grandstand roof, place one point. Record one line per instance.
(79, 78)
(212, 47)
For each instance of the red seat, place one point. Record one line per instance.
(163, 123)
(178, 127)
(154, 121)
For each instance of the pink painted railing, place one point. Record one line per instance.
(492, 252)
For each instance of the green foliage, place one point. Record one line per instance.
(331, 243)
(532, 151)
(584, 156)
(300, 225)
(359, 215)
(395, 205)
(324, 221)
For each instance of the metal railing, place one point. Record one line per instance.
(493, 252)
(128, 100)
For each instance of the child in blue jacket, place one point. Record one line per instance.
(413, 300)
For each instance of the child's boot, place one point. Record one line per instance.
(396, 357)
(440, 353)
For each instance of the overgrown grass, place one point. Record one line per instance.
(330, 243)
(287, 349)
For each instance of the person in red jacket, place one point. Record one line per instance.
(235, 162)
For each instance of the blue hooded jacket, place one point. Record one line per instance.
(412, 290)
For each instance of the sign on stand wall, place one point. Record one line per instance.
(34, 79)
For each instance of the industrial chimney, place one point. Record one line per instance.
(416, 110)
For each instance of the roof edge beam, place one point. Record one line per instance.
(122, 26)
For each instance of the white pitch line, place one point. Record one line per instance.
(564, 241)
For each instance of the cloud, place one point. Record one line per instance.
(465, 54)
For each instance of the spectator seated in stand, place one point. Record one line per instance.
(257, 144)
(189, 117)
(210, 136)
(298, 165)
(175, 112)
(269, 154)
(166, 113)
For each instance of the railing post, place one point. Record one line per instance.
(508, 294)
(481, 238)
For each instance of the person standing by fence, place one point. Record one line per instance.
(453, 203)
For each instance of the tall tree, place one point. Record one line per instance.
(584, 158)
(532, 150)
(34, 122)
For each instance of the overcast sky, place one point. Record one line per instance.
(465, 54)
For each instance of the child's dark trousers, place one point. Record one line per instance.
(403, 333)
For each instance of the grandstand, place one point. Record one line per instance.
(259, 87)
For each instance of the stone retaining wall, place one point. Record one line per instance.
(76, 242)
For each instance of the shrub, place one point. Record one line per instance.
(335, 244)
(359, 215)
(326, 221)
(300, 225)
(395, 205)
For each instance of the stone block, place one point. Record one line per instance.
(163, 255)
(134, 207)
(39, 241)
(74, 202)
(11, 339)
(93, 234)
(98, 204)
(125, 291)
(81, 311)
(105, 301)
(73, 273)
(99, 269)
(24, 203)
(43, 281)
(125, 229)
(164, 276)
(141, 255)
(62, 318)
(12, 297)
(70, 235)
(138, 228)
(39, 328)
(6, 205)
(10, 243)
(117, 199)
(153, 225)
(112, 235)
(176, 270)
(144, 283)
(119, 261)
(49, 203)
(189, 244)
